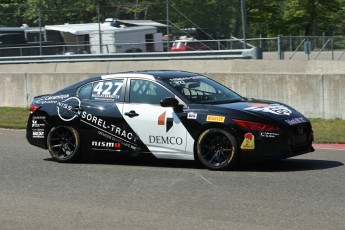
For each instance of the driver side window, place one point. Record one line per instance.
(147, 92)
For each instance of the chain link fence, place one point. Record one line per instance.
(301, 47)
(280, 47)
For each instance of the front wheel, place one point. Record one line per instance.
(217, 149)
(64, 144)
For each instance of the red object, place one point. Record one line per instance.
(248, 136)
(256, 126)
(181, 45)
(33, 108)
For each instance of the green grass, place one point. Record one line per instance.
(13, 118)
(329, 131)
(325, 131)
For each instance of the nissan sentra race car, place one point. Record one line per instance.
(169, 114)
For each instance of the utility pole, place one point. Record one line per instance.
(244, 27)
(40, 28)
(168, 31)
(99, 29)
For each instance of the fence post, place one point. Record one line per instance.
(332, 47)
(280, 47)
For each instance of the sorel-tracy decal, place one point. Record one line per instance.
(192, 115)
(270, 108)
(297, 120)
(117, 132)
(64, 108)
(248, 142)
(213, 118)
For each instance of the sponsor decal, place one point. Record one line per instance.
(56, 97)
(248, 142)
(212, 118)
(167, 121)
(114, 138)
(64, 108)
(51, 99)
(270, 108)
(35, 124)
(181, 80)
(39, 117)
(38, 133)
(108, 90)
(295, 121)
(111, 145)
(110, 129)
(165, 140)
(192, 115)
(269, 135)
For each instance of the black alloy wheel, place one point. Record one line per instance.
(217, 149)
(64, 144)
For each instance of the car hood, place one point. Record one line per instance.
(262, 109)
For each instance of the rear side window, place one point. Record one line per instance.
(85, 91)
(143, 91)
(109, 90)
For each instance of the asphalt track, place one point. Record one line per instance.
(107, 192)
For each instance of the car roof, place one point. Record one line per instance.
(160, 74)
(149, 74)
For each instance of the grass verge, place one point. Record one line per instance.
(325, 131)
(13, 118)
(329, 131)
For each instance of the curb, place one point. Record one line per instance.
(329, 146)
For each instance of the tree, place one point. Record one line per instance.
(265, 17)
(312, 17)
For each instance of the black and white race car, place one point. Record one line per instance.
(169, 114)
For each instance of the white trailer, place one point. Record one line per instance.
(127, 40)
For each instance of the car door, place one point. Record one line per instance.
(100, 117)
(159, 128)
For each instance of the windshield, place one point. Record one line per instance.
(178, 44)
(200, 89)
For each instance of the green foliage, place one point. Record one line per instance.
(265, 17)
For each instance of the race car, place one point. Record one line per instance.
(167, 114)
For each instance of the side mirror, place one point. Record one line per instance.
(169, 102)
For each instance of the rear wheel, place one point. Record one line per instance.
(64, 144)
(217, 149)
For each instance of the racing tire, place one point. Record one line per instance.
(216, 149)
(63, 143)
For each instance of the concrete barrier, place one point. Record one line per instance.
(316, 88)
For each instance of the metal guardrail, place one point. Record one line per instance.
(253, 53)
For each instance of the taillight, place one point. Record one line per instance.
(33, 108)
(256, 126)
